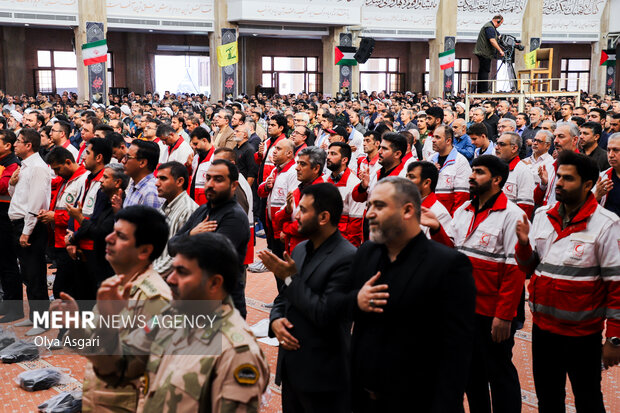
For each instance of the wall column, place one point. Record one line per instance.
(14, 47)
(531, 29)
(88, 11)
(446, 26)
(331, 72)
(215, 40)
(597, 72)
(136, 60)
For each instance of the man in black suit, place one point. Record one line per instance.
(413, 305)
(314, 360)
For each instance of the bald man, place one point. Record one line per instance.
(462, 141)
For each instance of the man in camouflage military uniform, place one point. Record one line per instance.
(139, 237)
(217, 368)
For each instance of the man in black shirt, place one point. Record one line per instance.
(222, 214)
(491, 118)
(608, 188)
(397, 355)
(590, 133)
(245, 154)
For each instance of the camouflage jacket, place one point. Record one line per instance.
(217, 369)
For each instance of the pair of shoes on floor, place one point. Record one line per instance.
(270, 305)
(34, 331)
(26, 323)
(257, 266)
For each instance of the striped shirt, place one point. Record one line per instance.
(143, 193)
(177, 213)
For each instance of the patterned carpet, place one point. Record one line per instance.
(261, 289)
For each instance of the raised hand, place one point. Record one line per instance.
(429, 219)
(523, 231)
(544, 175)
(280, 268)
(117, 201)
(603, 186)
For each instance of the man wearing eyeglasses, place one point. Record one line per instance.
(150, 134)
(302, 119)
(30, 189)
(519, 187)
(140, 162)
(540, 153)
(59, 134)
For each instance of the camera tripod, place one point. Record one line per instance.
(510, 69)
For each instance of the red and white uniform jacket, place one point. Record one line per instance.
(440, 211)
(361, 195)
(67, 145)
(519, 187)
(409, 158)
(81, 153)
(70, 193)
(199, 176)
(297, 150)
(163, 150)
(287, 224)
(180, 152)
(8, 164)
(285, 181)
(352, 218)
(89, 197)
(370, 166)
(576, 281)
(453, 185)
(266, 156)
(488, 239)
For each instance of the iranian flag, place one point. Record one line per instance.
(95, 52)
(345, 56)
(608, 57)
(446, 59)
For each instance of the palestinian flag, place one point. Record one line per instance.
(345, 56)
(95, 52)
(446, 59)
(608, 57)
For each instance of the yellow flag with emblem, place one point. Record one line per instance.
(227, 54)
(530, 59)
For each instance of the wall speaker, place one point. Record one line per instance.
(367, 45)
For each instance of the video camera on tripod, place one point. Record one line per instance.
(509, 44)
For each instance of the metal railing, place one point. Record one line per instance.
(523, 91)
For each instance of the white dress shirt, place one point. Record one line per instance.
(32, 192)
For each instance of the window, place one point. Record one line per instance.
(381, 73)
(576, 74)
(291, 74)
(462, 74)
(56, 71)
(182, 74)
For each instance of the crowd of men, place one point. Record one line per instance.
(399, 234)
